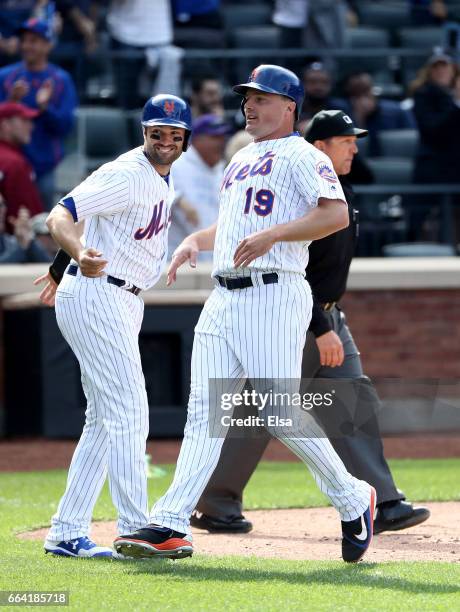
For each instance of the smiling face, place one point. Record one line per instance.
(268, 116)
(163, 144)
(340, 150)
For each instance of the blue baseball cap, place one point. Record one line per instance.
(37, 26)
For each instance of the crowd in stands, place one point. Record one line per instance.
(57, 57)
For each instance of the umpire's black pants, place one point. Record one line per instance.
(362, 452)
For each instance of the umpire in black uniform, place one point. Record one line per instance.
(330, 353)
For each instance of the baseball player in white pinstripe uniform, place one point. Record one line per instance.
(126, 207)
(277, 195)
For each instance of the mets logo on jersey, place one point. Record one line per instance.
(326, 172)
(154, 227)
(169, 107)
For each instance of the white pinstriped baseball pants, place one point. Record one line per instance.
(101, 323)
(258, 332)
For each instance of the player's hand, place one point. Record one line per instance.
(48, 293)
(91, 264)
(187, 251)
(253, 246)
(330, 349)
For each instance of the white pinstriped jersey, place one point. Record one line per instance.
(127, 205)
(269, 183)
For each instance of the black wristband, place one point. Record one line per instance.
(60, 263)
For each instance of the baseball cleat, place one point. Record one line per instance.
(154, 541)
(236, 524)
(357, 534)
(78, 547)
(393, 516)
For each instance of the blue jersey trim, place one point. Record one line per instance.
(69, 203)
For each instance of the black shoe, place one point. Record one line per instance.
(154, 541)
(236, 524)
(357, 534)
(398, 515)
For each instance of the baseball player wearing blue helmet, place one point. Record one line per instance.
(125, 207)
(275, 80)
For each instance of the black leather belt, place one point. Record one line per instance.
(72, 270)
(269, 278)
(328, 306)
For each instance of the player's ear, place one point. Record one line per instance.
(320, 144)
(291, 107)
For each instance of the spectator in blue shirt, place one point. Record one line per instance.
(41, 85)
(373, 113)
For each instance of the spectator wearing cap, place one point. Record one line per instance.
(372, 112)
(330, 353)
(436, 94)
(50, 90)
(21, 247)
(17, 177)
(197, 179)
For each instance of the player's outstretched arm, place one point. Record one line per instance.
(67, 235)
(188, 250)
(328, 217)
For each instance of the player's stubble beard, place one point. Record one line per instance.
(161, 159)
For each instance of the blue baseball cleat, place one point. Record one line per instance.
(357, 534)
(79, 547)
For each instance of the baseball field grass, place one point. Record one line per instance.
(27, 501)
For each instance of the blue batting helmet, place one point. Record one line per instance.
(165, 109)
(276, 80)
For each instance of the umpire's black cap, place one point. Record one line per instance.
(330, 123)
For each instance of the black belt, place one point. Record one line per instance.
(72, 270)
(242, 282)
(328, 306)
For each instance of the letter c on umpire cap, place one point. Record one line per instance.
(170, 110)
(276, 80)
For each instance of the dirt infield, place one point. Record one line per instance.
(314, 533)
(40, 454)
